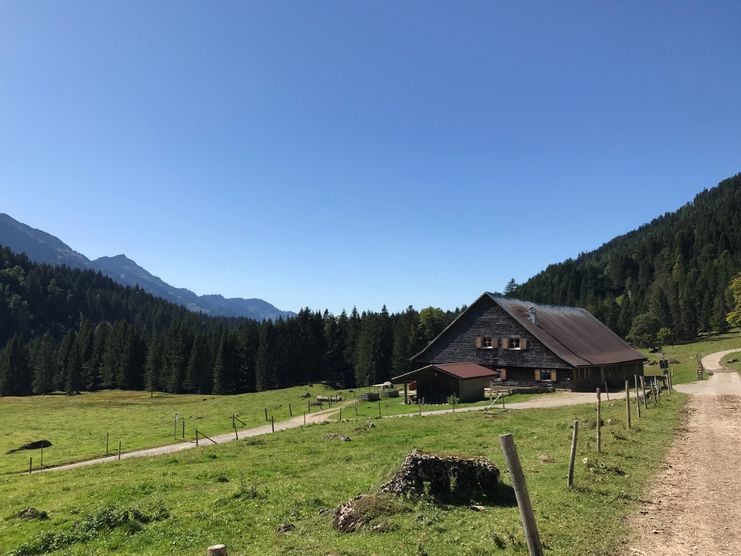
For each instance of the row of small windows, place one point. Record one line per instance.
(509, 342)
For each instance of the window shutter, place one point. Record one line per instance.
(503, 374)
(495, 343)
(537, 375)
(505, 343)
(553, 375)
(523, 343)
(478, 342)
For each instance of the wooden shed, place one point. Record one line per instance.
(436, 383)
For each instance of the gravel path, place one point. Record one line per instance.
(694, 507)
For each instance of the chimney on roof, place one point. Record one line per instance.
(531, 314)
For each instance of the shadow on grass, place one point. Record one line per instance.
(502, 496)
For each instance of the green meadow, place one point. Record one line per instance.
(77, 425)
(240, 493)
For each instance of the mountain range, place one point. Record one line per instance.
(43, 247)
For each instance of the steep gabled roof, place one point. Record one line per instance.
(463, 371)
(571, 333)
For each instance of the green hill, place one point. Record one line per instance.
(671, 273)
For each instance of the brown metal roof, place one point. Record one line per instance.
(463, 371)
(573, 334)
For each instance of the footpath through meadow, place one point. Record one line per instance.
(694, 506)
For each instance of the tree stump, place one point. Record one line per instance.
(216, 550)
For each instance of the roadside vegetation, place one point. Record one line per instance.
(685, 369)
(732, 361)
(241, 493)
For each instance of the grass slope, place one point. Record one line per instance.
(685, 370)
(239, 493)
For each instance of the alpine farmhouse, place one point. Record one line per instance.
(509, 341)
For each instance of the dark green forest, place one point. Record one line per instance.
(665, 281)
(73, 330)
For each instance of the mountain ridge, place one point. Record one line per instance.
(43, 247)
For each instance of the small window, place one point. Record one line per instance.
(514, 342)
(545, 374)
(487, 342)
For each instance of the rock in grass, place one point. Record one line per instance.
(337, 436)
(362, 512)
(32, 513)
(286, 527)
(445, 475)
(546, 458)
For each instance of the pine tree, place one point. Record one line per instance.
(266, 358)
(15, 369)
(44, 365)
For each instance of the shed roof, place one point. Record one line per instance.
(463, 371)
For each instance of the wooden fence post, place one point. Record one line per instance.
(266, 413)
(119, 450)
(42, 458)
(106, 443)
(339, 420)
(304, 417)
(379, 407)
(572, 456)
(638, 397)
(196, 437)
(30, 465)
(234, 426)
(599, 421)
(356, 406)
(523, 498)
(643, 387)
(217, 550)
(627, 404)
(290, 410)
(183, 429)
(272, 423)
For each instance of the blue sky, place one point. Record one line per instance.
(339, 153)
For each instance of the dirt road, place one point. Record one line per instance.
(694, 507)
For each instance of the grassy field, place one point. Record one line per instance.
(239, 493)
(77, 426)
(685, 370)
(728, 362)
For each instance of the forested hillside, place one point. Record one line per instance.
(72, 330)
(667, 278)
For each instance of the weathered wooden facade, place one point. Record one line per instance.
(525, 343)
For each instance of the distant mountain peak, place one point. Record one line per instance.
(43, 247)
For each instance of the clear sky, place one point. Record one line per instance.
(338, 153)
